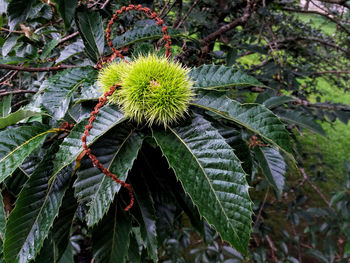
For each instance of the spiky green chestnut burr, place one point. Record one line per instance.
(154, 89)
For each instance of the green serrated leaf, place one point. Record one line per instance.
(117, 151)
(35, 210)
(111, 238)
(276, 101)
(18, 11)
(253, 117)
(16, 144)
(213, 177)
(71, 50)
(216, 77)
(9, 44)
(302, 120)
(91, 30)
(60, 88)
(17, 116)
(71, 146)
(5, 106)
(141, 34)
(273, 167)
(49, 47)
(66, 8)
(89, 92)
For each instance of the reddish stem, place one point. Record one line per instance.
(103, 99)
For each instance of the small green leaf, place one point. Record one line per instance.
(35, 210)
(111, 238)
(17, 116)
(117, 151)
(273, 167)
(9, 44)
(60, 88)
(215, 77)
(66, 8)
(91, 30)
(16, 144)
(302, 120)
(18, 11)
(141, 34)
(253, 117)
(71, 50)
(5, 106)
(213, 177)
(48, 48)
(276, 101)
(3, 6)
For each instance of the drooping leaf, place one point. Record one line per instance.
(216, 76)
(16, 144)
(91, 30)
(14, 183)
(61, 229)
(141, 34)
(49, 47)
(17, 116)
(117, 151)
(276, 101)
(68, 255)
(9, 44)
(146, 215)
(2, 219)
(111, 238)
(234, 138)
(71, 146)
(66, 8)
(3, 6)
(253, 117)
(60, 88)
(213, 177)
(18, 11)
(35, 210)
(273, 167)
(71, 50)
(5, 106)
(302, 120)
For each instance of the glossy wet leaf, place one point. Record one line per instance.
(253, 117)
(213, 177)
(273, 167)
(111, 238)
(60, 89)
(216, 76)
(66, 8)
(35, 210)
(18, 116)
(16, 144)
(117, 151)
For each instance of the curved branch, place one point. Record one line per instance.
(30, 69)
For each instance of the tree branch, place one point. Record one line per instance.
(16, 92)
(187, 13)
(318, 13)
(239, 21)
(69, 37)
(30, 69)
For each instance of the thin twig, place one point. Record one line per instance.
(17, 92)
(186, 15)
(164, 7)
(30, 69)
(69, 37)
(315, 187)
(261, 208)
(105, 4)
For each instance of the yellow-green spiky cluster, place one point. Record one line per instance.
(154, 89)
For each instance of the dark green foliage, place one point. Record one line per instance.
(227, 182)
